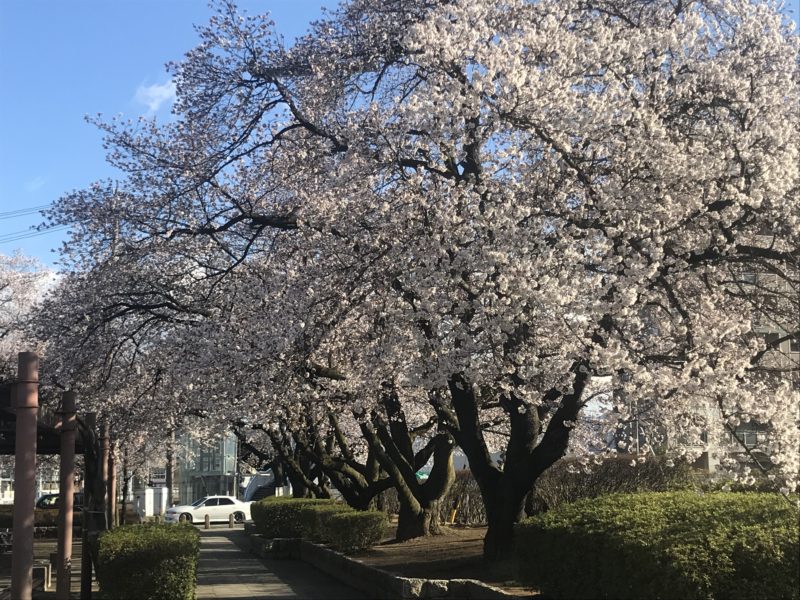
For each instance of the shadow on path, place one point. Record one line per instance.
(227, 572)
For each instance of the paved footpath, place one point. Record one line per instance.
(225, 571)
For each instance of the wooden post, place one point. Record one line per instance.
(231, 520)
(26, 405)
(207, 524)
(66, 494)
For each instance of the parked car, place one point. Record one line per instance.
(218, 508)
(52, 501)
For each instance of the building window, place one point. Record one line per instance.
(748, 278)
(769, 304)
(794, 345)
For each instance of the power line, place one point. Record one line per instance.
(23, 235)
(20, 212)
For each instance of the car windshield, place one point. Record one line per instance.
(197, 503)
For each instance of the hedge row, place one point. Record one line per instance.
(154, 561)
(322, 521)
(279, 517)
(356, 530)
(664, 545)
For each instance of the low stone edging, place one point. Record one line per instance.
(375, 583)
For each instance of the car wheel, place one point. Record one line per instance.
(185, 518)
(238, 517)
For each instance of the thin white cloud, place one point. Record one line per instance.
(35, 184)
(154, 96)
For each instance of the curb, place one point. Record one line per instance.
(375, 583)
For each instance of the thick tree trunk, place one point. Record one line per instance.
(527, 455)
(504, 507)
(279, 472)
(299, 487)
(411, 524)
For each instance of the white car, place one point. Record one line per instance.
(218, 508)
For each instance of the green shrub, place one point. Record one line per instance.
(318, 520)
(664, 545)
(312, 519)
(279, 517)
(356, 530)
(157, 561)
(566, 482)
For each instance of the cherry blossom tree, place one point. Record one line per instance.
(491, 206)
(23, 283)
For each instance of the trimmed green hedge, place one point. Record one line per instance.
(354, 531)
(318, 520)
(664, 545)
(154, 561)
(279, 517)
(313, 519)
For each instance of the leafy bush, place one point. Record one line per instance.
(279, 517)
(319, 521)
(156, 561)
(664, 545)
(312, 519)
(565, 482)
(356, 530)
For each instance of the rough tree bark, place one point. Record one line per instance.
(504, 490)
(359, 483)
(390, 438)
(299, 469)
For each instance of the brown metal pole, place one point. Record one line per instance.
(66, 492)
(111, 494)
(89, 487)
(123, 518)
(27, 405)
(170, 462)
(104, 463)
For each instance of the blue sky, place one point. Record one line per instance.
(63, 59)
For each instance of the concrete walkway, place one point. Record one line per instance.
(225, 571)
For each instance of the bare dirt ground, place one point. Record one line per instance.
(456, 554)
